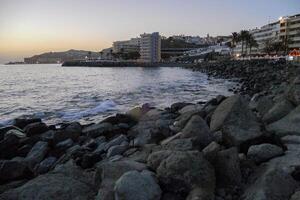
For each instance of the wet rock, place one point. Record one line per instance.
(134, 185)
(238, 124)
(227, 167)
(263, 152)
(270, 184)
(197, 129)
(189, 108)
(97, 130)
(35, 128)
(13, 170)
(37, 154)
(288, 125)
(181, 171)
(261, 104)
(15, 132)
(177, 106)
(291, 139)
(22, 122)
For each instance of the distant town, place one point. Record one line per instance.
(279, 38)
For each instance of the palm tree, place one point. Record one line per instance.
(243, 36)
(252, 43)
(234, 38)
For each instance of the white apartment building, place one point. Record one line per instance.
(150, 48)
(126, 46)
(290, 31)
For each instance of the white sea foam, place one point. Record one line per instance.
(105, 106)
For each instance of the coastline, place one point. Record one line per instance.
(228, 146)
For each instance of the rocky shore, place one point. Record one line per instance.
(242, 147)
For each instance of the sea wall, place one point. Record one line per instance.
(242, 147)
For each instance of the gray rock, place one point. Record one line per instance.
(12, 170)
(237, 122)
(37, 154)
(64, 145)
(15, 132)
(270, 184)
(97, 130)
(46, 165)
(291, 139)
(107, 173)
(210, 152)
(295, 196)
(227, 167)
(278, 111)
(182, 171)
(9, 147)
(191, 108)
(72, 131)
(197, 129)
(51, 186)
(263, 152)
(261, 104)
(22, 122)
(116, 141)
(293, 93)
(134, 185)
(153, 127)
(185, 144)
(35, 129)
(157, 157)
(117, 150)
(288, 125)
(143, 153)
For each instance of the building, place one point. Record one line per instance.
(290, 31)
(132, 45)
(150, 49)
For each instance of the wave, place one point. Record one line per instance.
(105, 106)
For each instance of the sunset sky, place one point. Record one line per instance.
(30, 27)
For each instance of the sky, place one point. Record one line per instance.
(29, 27)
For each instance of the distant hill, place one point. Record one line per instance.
(59, 57)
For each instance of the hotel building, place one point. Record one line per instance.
(150, 48)
(132, 45)
(290, 31)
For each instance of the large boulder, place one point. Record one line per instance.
(270, 184)
(197, 129)
(97, 130)
(107, 173)
(22, 122)
(157, 157)
(263, 152)
(152, 127)
(293, 93)
(134, 185)
(59, 185)
(45, 166)
(181, 172)
(35, 128)
(9, 146)
(12, 170)
(278, 111)
(71, 131)
(227, 166)
(237, 122)
(37, 154)
(288, 125)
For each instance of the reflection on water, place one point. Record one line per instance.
(57, 93)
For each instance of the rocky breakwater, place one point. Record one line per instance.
(230, 148)
(254, 76)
